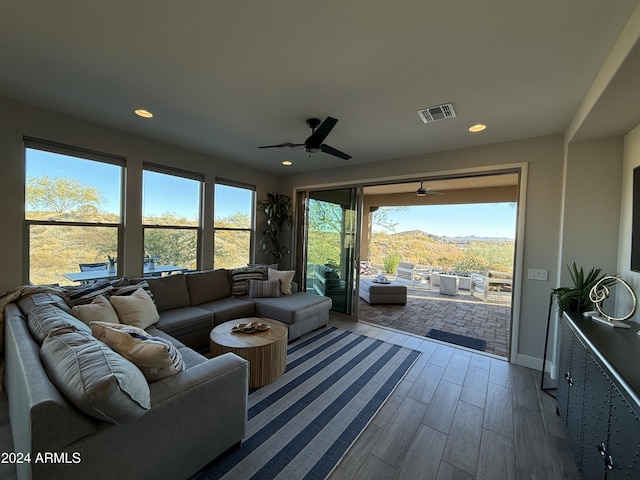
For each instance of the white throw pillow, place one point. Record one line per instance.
(99, 310)
(136, 309)
(285, 277)
(156, 357)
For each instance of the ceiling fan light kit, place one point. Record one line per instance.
(315, 142)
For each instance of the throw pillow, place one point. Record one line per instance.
(156, 357)
(129, 289)
(94, 378)
(264, 288)
(86, 293)
(47, 320)
(99, 310)
(136, 309)
(285, 277)
(239, 278)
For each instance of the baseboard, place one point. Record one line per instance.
(529, 361)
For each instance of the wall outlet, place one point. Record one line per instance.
(538, 274)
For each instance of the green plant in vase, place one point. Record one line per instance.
(576, 297)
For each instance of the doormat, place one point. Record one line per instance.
(469, 342)
(301, 425)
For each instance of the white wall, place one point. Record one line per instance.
(18, 119)
(631, 160)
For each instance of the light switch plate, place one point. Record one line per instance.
(538, 274)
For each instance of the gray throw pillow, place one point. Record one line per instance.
(48, 320)
(94, 378)
(264, 288)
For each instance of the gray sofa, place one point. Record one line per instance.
(193, 416)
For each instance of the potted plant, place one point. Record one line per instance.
(277, 209)
(112, 263)
(576, 298)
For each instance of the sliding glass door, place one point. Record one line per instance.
(329, 245)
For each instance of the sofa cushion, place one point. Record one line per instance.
(239, 277)
(208, 286)
(94, 378)
(170, 292)
(99, 310)
(230, 308)
(136, 309)
(292, 308)
(48, 320)
(156, 357)
(181, 321)
(264, 288)
(30, 302)
(285, 277)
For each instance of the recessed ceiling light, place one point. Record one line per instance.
(287, 162)
(143, 113)
(478, 127)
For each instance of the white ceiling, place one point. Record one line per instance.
(224, 77)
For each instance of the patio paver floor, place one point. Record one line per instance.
(463, 314)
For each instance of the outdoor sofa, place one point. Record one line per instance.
(81, 410)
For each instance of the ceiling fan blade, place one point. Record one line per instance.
(318, 136)
(333, 151)
(284, 145)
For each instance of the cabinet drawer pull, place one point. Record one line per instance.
(601, 449)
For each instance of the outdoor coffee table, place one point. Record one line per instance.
(265, 350)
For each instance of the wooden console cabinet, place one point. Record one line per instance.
(598, 396)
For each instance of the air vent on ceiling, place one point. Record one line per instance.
(437, 112)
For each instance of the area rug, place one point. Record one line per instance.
(469, 342)
(301, 425)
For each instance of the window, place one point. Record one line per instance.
(72, 209)
(171, 216)
(234, 207)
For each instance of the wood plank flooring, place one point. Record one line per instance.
(459, 415)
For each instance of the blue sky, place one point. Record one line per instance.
(482, 220)
(163, 193)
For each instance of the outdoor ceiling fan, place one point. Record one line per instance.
(422, 191)
(315, 142)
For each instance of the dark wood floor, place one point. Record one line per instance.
(456, 415)
(459, 415)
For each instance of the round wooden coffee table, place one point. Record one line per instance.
(266, 350)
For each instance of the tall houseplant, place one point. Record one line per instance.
(576, 298)
(277, 210)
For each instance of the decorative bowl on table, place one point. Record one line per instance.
(252, 327)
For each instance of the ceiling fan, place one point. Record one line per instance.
(315, 142)
(422, 191)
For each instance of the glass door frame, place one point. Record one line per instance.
(302, 197)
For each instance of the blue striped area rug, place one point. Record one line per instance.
(301, 425)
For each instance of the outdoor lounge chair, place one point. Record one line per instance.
(494, 282)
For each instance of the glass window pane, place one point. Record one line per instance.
(65, 188)
(170, 200)
(231, 248)
(58, 249)
(172, 246)
(233, 207)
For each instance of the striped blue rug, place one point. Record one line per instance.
(300, 426)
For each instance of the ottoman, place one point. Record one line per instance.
(392, 293)
(449, 284)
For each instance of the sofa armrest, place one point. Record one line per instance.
(227, 371)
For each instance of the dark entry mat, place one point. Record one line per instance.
(456, 339)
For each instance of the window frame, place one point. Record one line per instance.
(198, 228)
(32, 143)
(252, 227)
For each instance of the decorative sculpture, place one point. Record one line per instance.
(600, 292)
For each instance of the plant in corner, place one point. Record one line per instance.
(277, 210)
(576, 298)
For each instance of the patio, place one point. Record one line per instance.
(463, 314)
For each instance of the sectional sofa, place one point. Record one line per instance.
(81, 407)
